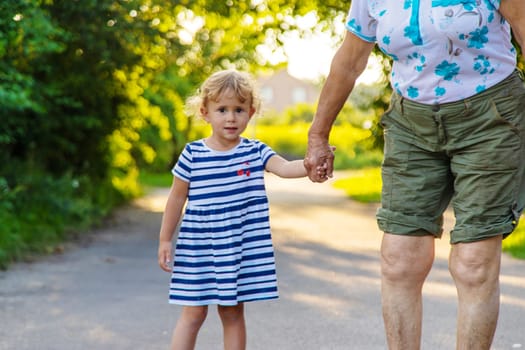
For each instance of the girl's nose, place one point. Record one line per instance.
(230, 115)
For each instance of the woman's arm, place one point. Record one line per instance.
(514, 13)
(170, 219)
(348, 63)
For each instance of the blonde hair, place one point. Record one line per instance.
(241, 83)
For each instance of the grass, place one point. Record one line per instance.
(362, 185)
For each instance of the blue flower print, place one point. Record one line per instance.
(476, 39)
(482, 65)
(386, 40)
(440, 91)
(421, 58)
(412, 92)
(447, 70)
(480, 88)
(407, 4)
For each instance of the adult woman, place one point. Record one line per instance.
(455, 132)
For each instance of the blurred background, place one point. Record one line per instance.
(92, 101)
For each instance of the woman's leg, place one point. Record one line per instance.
(405, 263)
(187, 328)
(475, 268)
(234, 326)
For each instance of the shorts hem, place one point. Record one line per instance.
(471, 235)
(409, 225)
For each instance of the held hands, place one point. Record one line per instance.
(319, 160)
(164, 255)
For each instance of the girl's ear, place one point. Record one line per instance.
(204, 113)
(252, 111)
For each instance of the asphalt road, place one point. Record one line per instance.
(107, 291)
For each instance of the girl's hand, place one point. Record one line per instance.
(164, 256)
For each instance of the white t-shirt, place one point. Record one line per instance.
(442, 50)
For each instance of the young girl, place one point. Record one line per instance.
(224, 253)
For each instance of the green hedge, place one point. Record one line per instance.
(39, 211)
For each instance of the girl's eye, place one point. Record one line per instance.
(222, 109)
(239, 110)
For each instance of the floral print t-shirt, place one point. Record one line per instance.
(442, 50)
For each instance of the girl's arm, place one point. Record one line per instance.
(172, 214)
(286, 168)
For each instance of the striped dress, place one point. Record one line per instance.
(224, 253)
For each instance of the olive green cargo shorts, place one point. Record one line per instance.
(470, 154)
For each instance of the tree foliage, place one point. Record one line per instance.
(97, 87)
(92, 90)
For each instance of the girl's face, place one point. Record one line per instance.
(228, 117)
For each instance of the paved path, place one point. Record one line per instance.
(108, 293)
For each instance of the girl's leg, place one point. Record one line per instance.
(234, 327)
(187, 328)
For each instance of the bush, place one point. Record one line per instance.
(38, 211)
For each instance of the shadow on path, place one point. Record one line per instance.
(110, 294)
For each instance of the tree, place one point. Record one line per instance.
(97, 87)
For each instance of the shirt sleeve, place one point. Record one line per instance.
(495, 3)
(265, 151)
(359, 21)
(182, 168)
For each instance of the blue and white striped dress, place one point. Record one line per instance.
(224, 253)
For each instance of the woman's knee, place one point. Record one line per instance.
(406, 258)
(405, 269)
(475, 264)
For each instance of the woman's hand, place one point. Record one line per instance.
(319, 159)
